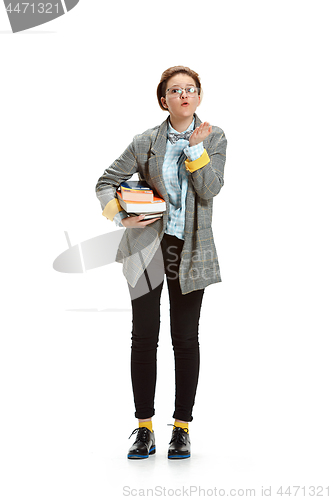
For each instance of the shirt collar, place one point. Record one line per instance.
(171, 129)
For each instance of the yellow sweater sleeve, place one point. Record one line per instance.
(111, 209)
(192, 166)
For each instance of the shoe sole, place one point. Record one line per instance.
(172, 457)
(152, 451)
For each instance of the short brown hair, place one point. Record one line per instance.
(168, 73)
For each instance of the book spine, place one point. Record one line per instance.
(140, 191)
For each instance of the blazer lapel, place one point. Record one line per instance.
(197, 121)
(156, 160)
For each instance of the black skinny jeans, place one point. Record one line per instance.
(184, 323)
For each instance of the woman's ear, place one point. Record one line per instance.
(164, 104)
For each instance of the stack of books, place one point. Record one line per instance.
(136, 197)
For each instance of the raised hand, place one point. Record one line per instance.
(200, 133)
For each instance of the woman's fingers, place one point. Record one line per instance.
(149, 221)
(200, 133)
(137, 221)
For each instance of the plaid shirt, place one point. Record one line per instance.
(175, 178)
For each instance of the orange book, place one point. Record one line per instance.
(136, 191)
(142, 207)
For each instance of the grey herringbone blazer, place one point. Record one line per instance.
(199, 265)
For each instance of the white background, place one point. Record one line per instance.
(74, 92)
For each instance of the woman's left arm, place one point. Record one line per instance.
(207, 172)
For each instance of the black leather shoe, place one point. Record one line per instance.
(144, 445)
(180, 444)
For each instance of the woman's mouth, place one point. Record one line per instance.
(185, 104)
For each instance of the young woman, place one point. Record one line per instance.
(182, 160)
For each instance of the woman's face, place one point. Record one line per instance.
(183, 105)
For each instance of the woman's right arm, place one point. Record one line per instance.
(120, 170)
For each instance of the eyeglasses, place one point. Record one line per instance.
(178, 91)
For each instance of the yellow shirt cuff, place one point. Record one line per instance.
(111, 209)
(192, 166)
